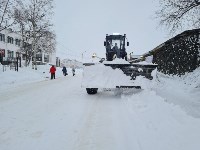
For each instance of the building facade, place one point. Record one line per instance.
(10, 45)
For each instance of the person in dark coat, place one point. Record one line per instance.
(116, 50)
(53, 72)
(64, 70)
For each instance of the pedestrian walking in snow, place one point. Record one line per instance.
(53, 72)
(64, 70)
(73, 71)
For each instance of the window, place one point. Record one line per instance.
(10, 54)
(17, 54)
(39, 57)
(10, 40)
(2, 37)
(46, 58)
(17, 42)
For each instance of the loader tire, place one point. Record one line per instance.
(91, 90)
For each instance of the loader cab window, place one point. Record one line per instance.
(115, 43)
(122, 44)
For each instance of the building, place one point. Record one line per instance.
(9, 45)
(10, 49)
(57, 62)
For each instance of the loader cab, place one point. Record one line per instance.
(115, 46)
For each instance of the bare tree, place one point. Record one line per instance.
(23, 29)
(6, 20)
(35, 18)
(178, 14)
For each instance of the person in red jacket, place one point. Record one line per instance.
(52, 71)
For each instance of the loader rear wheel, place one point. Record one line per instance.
(91, 90)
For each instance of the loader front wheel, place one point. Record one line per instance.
(91, 90)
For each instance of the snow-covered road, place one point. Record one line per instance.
(59, 115)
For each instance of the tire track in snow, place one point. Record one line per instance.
(96, 132)
(34, 111)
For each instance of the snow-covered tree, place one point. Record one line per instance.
(179, 14)
(34, 19)
(6, 19)
(47, 42)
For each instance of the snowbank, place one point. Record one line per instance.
(183, 91)
(10, 78)
(101, 76)
(171, 129)
(188, 82)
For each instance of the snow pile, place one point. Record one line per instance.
(188, 82)
(149, 59)
(145, 63)
(101, 76)
(172, 127)
(192, 79)
(183, 91)
(117, 61)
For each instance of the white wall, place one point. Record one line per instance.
(9, 46)
(52, 58)
(15, 48)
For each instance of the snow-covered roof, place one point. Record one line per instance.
(116, 33)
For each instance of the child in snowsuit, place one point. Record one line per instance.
(73, 71)
(64, 70)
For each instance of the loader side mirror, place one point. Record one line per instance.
(127, 43)
(104, 43)
(102, 59)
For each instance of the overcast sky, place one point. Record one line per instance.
(81, 25)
